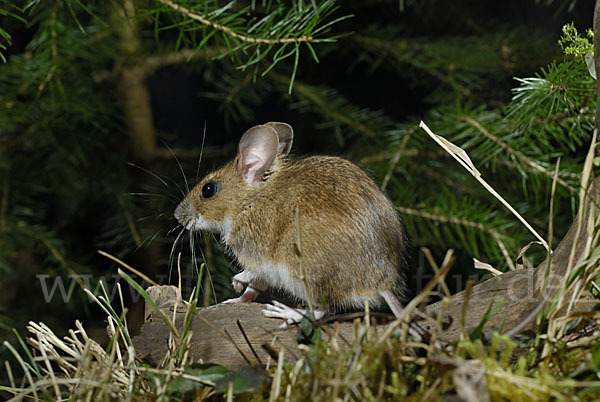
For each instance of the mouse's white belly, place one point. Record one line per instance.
(278, 276)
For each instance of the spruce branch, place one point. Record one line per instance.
(148, 64)
(397, 156)
(495, 140)
(13, 11)
(535, 167)
(334, 107)
(451, 182)
(38, 234)
(404, 53)
(229, 31)
(385, 156)
(250, 39)
(54, 50)
(463, 222)
(553, 107)
(156, 61)
(238, 88)
(460, 63)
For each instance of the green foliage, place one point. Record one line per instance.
(476, 332)
(12, 12)
(573, 44)
(267, 31)
(464, 66)
(556, 107)
(197, 376)
(309, 333)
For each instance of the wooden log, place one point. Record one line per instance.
(216, 342)
(521, 291)
(216, 329)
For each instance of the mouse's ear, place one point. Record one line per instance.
(257, 149)
(285, 134)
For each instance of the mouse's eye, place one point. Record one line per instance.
(209, 190)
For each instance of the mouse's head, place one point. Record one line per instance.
(215, 201)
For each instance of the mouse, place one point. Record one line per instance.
(316, 227)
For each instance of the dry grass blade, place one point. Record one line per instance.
(536, 311)
(447, 261)
(437, 279)
(461, 156)
(522, 261)
(49, 369)
(556, 328)
(84, 363)
(584, 200)
(26, 370)
(276, 385)
(486, 267)
(11, 378)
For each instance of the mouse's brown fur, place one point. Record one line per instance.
(351, 237)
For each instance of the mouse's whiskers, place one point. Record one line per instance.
(154, 196)
(201, 150)
(150, 173)
(173, 229)
(155, 216)
(187, 187)
(149, 239)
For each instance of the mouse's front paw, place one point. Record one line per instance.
(234, 300)
(248, 296)
(240, 281)
(238, 286)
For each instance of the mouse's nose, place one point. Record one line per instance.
(184, 214)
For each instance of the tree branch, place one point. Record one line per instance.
(228, 30)
(456, 221)
(531, 164)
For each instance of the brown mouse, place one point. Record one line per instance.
(317, 227)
